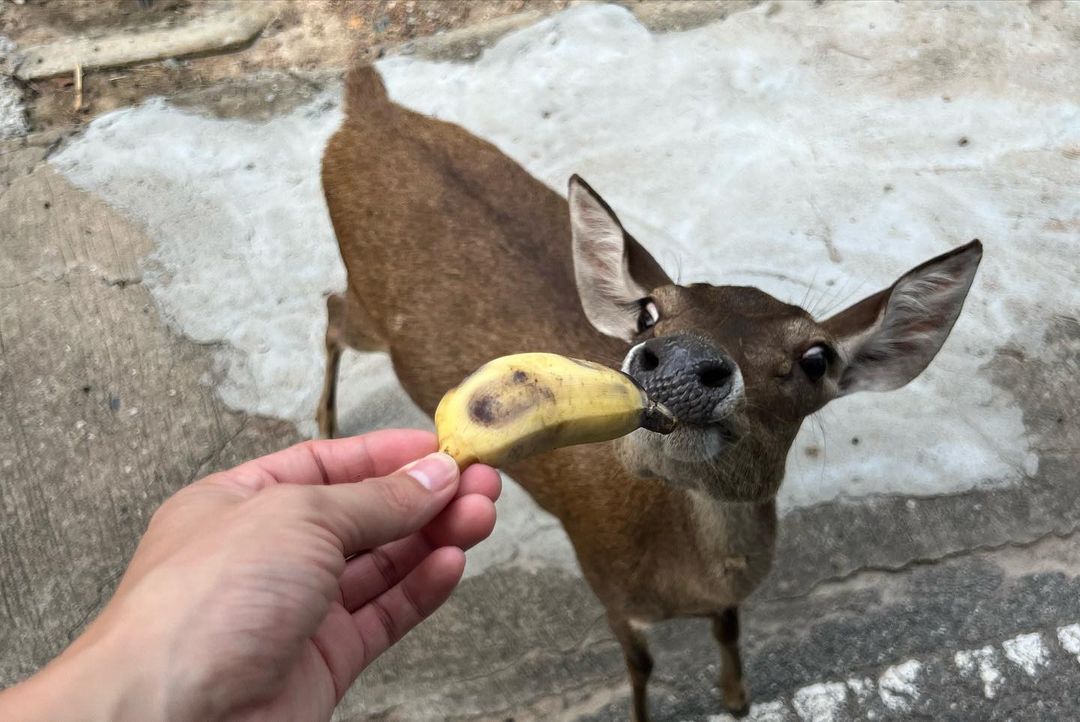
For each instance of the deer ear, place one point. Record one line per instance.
(614, 273)
(886, 340)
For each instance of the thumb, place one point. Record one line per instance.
(365, 514)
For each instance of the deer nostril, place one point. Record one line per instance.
(648, 360)
(715, 376)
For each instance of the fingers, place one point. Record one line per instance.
(377, 511)
(332, 461)
(387, 618)
(464, 523)
(480, 479)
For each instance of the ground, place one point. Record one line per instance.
(163, 271)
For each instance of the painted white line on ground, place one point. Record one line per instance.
(1069, 636)
(896, 685)
(968, 661)
(820, 702)
(862, 688)
(1027, 652)
(775, 711)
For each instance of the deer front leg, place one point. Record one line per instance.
(732, 689)
(348, 325)
(639, 663)
(326, 413)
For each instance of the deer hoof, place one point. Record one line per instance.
(736, 701)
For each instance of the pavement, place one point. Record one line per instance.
(160, 291)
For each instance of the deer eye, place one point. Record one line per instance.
(648, 317)
(815, 362)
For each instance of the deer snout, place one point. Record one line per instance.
(685, 373)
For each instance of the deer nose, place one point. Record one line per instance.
(685, 373)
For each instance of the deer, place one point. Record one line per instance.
(455, 254)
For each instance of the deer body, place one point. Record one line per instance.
(456, 255)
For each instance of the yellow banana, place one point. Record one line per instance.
(520, 405)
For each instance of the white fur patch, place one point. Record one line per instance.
(727, 405)
(629, 358)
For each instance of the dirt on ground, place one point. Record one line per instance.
(303, 36)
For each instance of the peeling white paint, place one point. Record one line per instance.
(750, 151)
(822, 702)
(897, 687)
(1069, 637)
(769, 712)
(862, 688)
(984, 661)
(1027, 652)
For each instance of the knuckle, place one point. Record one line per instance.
(385, 566)
(290, 497)
(396, 496)
(386, 620)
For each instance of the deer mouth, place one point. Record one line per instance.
(726, 430)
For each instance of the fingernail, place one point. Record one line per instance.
(434, 471)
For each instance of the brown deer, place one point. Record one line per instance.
(456, 255)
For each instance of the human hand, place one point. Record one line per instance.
(263, 591)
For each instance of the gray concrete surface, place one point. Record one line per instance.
(159, 319)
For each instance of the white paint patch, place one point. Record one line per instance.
(822, 702)
(897, 685)
(1069, 637)
(12, 113)
(817, 146)
(769, 712)
(1027, 652)
(984, 661)
(245, 254)
(755, 150)
(862, 688)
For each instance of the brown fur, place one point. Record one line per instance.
(456, 255)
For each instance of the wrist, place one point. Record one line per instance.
(92, 680)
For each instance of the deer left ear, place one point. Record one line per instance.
(614, 273)
(886, 340)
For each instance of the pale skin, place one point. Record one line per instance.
(262, 592)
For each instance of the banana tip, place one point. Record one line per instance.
(658, 418)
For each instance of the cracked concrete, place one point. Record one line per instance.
(103, 411)
(895, 605)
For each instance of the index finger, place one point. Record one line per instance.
(335, 461)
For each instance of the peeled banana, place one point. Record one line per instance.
(520, 405)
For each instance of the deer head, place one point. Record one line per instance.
(740, 368)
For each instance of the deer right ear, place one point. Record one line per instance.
(886, 340)
(610, 267)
